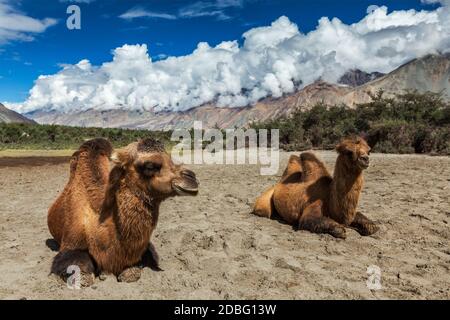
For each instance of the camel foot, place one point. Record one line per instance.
(367, 229)
(338, 232)
(75, 267)
(103, 276)
(132, 274)
(75, 280)
(86, 279)
(363, 225)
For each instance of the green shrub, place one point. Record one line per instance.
(26, 136)
(407, 123)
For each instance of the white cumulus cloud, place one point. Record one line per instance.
(272, 61)
(15, 25)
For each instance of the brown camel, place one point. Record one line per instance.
(308, 197)
(105, 216)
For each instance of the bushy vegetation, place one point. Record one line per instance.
(408, 123)
(30, 136)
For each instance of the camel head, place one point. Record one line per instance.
(150, 168)
(355, 152)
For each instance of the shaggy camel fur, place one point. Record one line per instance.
(104, 217)
(308, 197)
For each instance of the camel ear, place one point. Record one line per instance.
(342, 148)
(121, 157)
(364, 135)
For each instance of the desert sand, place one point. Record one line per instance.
(211, 247)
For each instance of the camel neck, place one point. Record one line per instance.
(345, 190)
(142, 203)
(134, 212)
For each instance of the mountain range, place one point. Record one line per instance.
(9, 116)
(429, 73)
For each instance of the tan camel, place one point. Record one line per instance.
(104, 217)
(308, 197)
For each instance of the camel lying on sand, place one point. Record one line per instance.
(105, 216)
(308, 197)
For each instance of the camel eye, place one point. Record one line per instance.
(149, 168)
(152, 166)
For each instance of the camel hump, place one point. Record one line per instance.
(313, 167)
(294, 166)
(97, 147)
(92, 166)
(309, 156)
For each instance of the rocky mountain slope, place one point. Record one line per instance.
(355, 77)
(9, 116)
(430, 73)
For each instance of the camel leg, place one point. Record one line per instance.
(65, 261)
(149, 259)
(313, 221)
(364, 225)
(264, 205)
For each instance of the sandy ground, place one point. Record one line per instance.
(211, 247)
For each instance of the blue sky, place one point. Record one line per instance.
(176, 30)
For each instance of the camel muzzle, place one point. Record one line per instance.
(187, 184)
(363, 162)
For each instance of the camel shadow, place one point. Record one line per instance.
(276, 217)
(150, 258)
(52, 244)
(295, 177)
